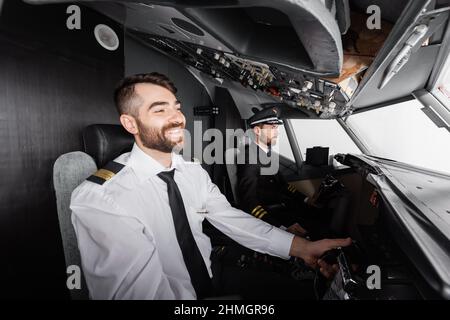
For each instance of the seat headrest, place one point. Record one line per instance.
(105, 142)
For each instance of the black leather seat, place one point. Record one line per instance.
(102, 143)
(105, 142)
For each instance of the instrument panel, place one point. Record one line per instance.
(316, 97)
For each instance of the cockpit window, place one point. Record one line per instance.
(323, 133)
(405, 133)
(284, 145)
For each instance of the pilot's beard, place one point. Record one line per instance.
(271, 142)
(156, 139)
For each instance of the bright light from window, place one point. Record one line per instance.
(284, 145)
(323, 133)
(404, 133)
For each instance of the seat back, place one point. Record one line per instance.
(230, 160)
(69, 171)
(105, 142)
(102, 143)
(233, 157)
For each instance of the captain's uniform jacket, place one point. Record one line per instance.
(267, 197)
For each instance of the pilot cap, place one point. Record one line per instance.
(269, 116)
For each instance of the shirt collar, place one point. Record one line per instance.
(265, 149)
(145, 166)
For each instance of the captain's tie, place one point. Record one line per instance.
(191, 254)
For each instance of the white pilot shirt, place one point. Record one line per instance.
(126, 235)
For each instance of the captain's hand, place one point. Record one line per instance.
(311, 251)
(327, 270)
(312, 201)
(297, 230)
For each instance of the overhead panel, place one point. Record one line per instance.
(285, 49)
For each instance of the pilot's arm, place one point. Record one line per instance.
(290, 191)
(119, 260)
(260, 236)
(252, 233)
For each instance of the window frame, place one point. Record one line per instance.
(295, 146)
(441, 67)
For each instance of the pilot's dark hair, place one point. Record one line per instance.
(125, 97)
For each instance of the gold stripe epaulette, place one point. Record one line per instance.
(106, 173)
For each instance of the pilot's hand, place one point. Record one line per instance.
(328, 270)
(311, 251)
(312, 201)
(297, 230)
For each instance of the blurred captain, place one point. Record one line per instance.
(138, 220)
(267, 195)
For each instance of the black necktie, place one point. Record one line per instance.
(191, 254)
